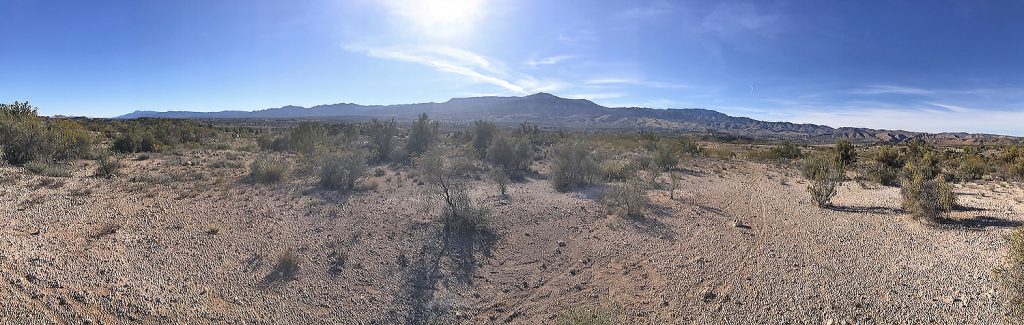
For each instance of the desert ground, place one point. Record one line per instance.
(183, 238)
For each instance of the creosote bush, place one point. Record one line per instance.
(665, 157)
(845, 153)
(1011, 276)
(25, 136)
(483, 133)
(513, 155)
(825, 174)
(446, 173)
(382, 140)
(927, 199)
(421, 136)
(573, 165)
(341, 170)
(268, 170)
(108, 167)
(629, 198)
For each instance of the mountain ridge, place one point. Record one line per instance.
(552, 111)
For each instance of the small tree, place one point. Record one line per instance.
(573, 165)
(382, 138)
(421, 136)
(483, 133)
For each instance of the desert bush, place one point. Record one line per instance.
(690, 146)
(785, 151)
(886, 166)
(36, 167)
(825, 174)
(483, 133)
(1013, 157)
(268, 170)
(577, 315)
(108, 167)
(845, 152)
(969, 167)
(341, 170)
(135, 140)
(422, 135)
(500, 178)
(70, 139)
(629, 198)
(286, 269)
(664, 157)
(446, 172)
(382, 139)
(618, 170)
(925, 198)
(1011, 276)
(307, 137)
(513, 155)
(25, 136)
(573, 165)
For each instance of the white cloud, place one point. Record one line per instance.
(595, 96)
(438, 18)
(890, 89)
(730, 19)
(549, 60)
(615, 81)
(472, 66)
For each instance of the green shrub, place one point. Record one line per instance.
(268, 171)
(446, 172)
(71, 139)
(513, 155)
(307, 137)
(382, 139)
(573, 165)
(483, 133)
(135, 140)
(825, 174)
(577, 315)
(664, 157)
(25, 136)
(927, 199)
(784, 151)
(36, 167)
(108, 167)
(690, 146)
(629, 198)
(421, 136)
(618, 170)
(340, 171)
(845, 153)
(886, 166)
(1011, 276)
(969, 167)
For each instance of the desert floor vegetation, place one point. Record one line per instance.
(425, 222)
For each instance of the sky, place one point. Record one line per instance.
(931, 66)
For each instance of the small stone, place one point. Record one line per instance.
(561, 243)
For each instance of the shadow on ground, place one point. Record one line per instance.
(447, 257)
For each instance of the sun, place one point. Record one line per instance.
(440, 18)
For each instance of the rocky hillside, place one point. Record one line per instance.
(553, 111)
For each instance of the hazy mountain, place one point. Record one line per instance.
(553, 111)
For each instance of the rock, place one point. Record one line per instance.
(561, 243)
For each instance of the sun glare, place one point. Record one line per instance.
(440, 18)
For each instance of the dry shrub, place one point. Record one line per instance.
(446, 172)
(340, 171)
(578, 315)
(573, 165)
(665, 157)
(108, 167)
(927, 199)
(511, 154)
(1011, 276)
(618, 170)
(286, 269)
(268, 170)
(825, 174)
(629, 198)
(483, 134)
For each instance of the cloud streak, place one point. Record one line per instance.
(472, 66)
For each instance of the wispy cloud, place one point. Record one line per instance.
(472, 66)
(890, 89)
(595, 96)
(614, 81)
(730, 19)
(640, 12)
(549, 60)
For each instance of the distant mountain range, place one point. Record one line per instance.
(552, 111)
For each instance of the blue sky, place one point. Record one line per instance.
(913, 65)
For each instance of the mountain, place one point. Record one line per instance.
(552, 111)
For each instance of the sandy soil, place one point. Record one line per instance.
(741, 243)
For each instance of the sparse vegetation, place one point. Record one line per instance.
(513, 155)
(108, 167)
(422, 135)
(382, 140)
(1011, 276)
(446, 172)
(483, 133)
(579, 315)
(664, 157)
(341, 170)
(825, 175)
(573, 165)
(628, 198)
(268, 170)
